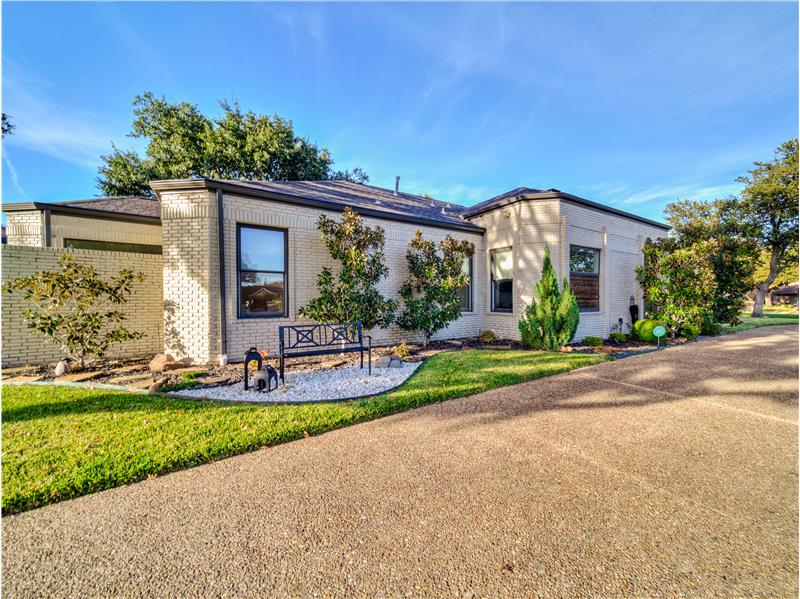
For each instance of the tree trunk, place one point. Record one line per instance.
(762, 287)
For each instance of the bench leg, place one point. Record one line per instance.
(361, 353)
(282, 381)
(369, 358)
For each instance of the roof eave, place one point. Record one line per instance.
(246, 190)
(80, 211)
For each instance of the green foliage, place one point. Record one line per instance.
(117, 438)
(8, 126)
(679, 285)
(551, 319)
(188, 381)
(430, 294)
(618, 338)
(643, 330)
(352, 294)
(76, 309)
(487, 336)
(592, 341)
(787, 273)
(402, 350)
(184, 143)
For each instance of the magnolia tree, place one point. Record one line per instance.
(77, 309)
(549, 322)
(351, 294)
(435, 274)
(679, 285)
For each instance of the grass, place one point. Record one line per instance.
(748, 322)
(63, 442)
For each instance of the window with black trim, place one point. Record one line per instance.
(502, 274)
(584, 277)
(465, 292)
(111, 246)
(262, 265)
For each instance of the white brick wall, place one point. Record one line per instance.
(143, 311)
(25, 228)
(63, 226)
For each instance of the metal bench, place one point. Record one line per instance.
(321, 339)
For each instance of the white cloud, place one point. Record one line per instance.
(12, 171)
(697, 192)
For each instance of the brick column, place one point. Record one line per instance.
(191, 274)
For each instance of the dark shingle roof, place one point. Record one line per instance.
(135, 205)
(790, 289)
(514, 193)
(358, 195)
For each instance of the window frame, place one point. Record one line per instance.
(68, 240)
(249, 315)
(595, 275)
(492, 306)
(470, 286)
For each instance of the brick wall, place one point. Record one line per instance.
(144, 310)
(63, 226)
(25, 228)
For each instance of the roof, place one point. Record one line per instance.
(528, 193)
(130, 208)
(790, 289)
(337, 195)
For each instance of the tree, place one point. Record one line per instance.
(549, 322)
(430, 294)
(8, 126)
(715, 227)
(352, 294)
(183, 143)
(787, 274)
(769, 213)
(679, 285)
(76, 309)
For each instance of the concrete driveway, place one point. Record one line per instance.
(673, 473)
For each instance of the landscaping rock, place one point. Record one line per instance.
(79, 377)
(179, 365)
(395, 362)
(333, 363)
(19, 370)
(62, 368)
(142, 384)
(383, 362)
(124, 369)
(213, 380)
(130, 379)
(23, 379)
(158, 385)
(158, 362)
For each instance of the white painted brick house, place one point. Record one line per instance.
(220, 303)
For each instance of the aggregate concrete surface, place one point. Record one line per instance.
(668, 474)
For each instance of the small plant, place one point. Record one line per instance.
(618, 338)
(188, 381)
(77, 309)
(487, 336)
(551, 319)
(592, 341)
(435, 274)
(643, 330)
(402, 350)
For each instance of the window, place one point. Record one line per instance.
(584, 277)
(465, 292)
(111, 246)
(262, 272)
(502, 268)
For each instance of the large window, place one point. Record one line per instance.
(262, 272)
(465, 292)
(584, 277)
(502, 268)
(111, 246)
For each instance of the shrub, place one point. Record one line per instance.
(592, 341)
(551, 319)
(402, 350)
(76, 309)
(679, 285)
(487, 336)
(352, 294)
(435, 274)
(643, 330)
(618, 338)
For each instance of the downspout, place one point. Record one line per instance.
(47, 234)
(222, 312)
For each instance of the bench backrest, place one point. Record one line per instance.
(309, 336)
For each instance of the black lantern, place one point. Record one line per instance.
(252, 355)
(634, 309)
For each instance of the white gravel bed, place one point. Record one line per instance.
(317, 385)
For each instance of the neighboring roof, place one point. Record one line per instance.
(131, 208)
(337, 195)
(790, 289)
(528, 193)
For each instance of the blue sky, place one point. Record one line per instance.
(630, 104)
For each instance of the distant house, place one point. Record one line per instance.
(241, 257)
(786, 294)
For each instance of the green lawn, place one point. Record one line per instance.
(748, 322)
(62, 442)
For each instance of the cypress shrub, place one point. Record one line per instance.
(550, 320)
